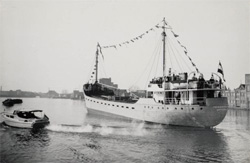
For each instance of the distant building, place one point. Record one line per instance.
(240, 97)
(17, 93)
(77, 95)
(247, 81)
(52, 94)
(139, 93)
(107, 81)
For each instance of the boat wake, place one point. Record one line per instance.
(133, 129)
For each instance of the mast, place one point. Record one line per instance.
(164, 62)
(164, 46)
(96, 64)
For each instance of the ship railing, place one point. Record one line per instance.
(186, 101)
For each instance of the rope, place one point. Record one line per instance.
(180, 55)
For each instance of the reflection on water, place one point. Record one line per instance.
(195, 145)
(75, 136)
(240, 117)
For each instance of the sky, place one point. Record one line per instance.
(50, 44)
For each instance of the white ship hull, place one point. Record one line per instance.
(146, 109)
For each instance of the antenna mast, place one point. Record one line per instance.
(164, 62)
(164, 46)
(96, 63)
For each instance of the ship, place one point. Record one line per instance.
(182, 99)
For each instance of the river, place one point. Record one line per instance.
(75, 136)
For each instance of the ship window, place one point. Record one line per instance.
(113, 105)
(122, 106)
(7, 116)
(101, 102)
(105, 104)
(144, 106)
(175, 108)
(127, 107)
(181, 108)
(148, 106)
(133, 108)
(192, 108)
(97, 102)
(167, 107)
(11, 116)
(158, 107)
(117, 105)
(201, 108)
(108, 104)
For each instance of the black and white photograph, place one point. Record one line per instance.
(134, 81)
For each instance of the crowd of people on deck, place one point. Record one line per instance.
(201, 82)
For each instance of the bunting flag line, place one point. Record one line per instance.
(132, 40)
(185, 51)
(175, 35)
(147, 32)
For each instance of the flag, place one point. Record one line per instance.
(100, 49)
(175, 35)
(220, 70)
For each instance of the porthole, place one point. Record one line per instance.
(127, 107)
(175, 108)
(133, 108)
(122, 106)
(201, 108)
(192, 108)
(181, 108)
(117, 105)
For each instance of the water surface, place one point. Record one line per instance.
(75, 136)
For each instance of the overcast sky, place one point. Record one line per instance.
(51, 44)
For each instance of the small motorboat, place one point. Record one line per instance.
(26, 119)
(11, 102)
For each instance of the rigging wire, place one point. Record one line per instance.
(171, 64)
(158, 60)
(103, 68)
(181, 56)
(92, 69)
(155, 56)
(170, 47)
(147, 65)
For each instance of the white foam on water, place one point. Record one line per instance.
(136, 129)
(64, 128)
